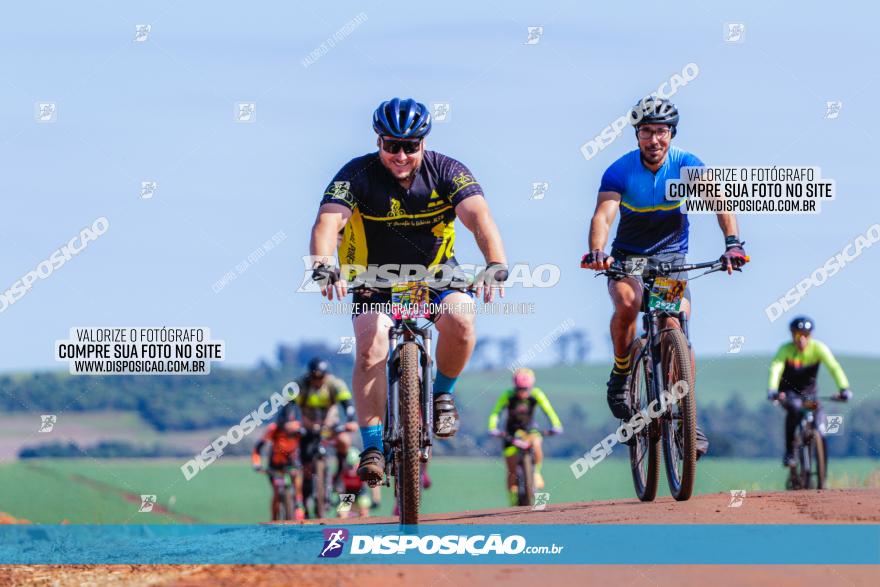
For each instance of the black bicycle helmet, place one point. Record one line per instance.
(801, 324)
(402, 119)
(650, 110)
(318, 366)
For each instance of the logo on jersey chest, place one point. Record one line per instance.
(394, 208)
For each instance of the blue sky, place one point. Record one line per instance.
(162, 110)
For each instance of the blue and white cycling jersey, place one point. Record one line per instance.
(649, 224)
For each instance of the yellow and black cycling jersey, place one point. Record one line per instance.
(392, 225)
(315, 402)
(521, 411)
(796, 370)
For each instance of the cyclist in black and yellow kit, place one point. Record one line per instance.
(324, 401)
(521, 401)
(393, 207)
(793, 377)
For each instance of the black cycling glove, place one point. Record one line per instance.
(324, 274)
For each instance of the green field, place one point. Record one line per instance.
(107, 491)
(229, 492)
(718, 379)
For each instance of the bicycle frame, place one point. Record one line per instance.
(406, 331)
(283, 488)
(323, 438)
(653, 335)
(806, 434)
(675, 427)
(652, 330)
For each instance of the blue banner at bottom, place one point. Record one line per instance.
(443, 544)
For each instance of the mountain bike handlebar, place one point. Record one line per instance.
(833, 398)
(520, 442)
(663, 269)
(322, 430)
(384, 287)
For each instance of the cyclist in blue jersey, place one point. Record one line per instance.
(392, 207)
(650, 226)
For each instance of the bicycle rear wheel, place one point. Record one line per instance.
(282, 509)
(816, 472)
(287, 500)
(644, 453)
(680, 419)
(408, 465)
(796, 471)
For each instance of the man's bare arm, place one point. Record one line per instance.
(727, 222)
(325, 234)
(474, 214)
(607, 205)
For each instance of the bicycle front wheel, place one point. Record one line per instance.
(680, 419)
(527, 481)
(408, 465)
(644, 451)
(319, 486)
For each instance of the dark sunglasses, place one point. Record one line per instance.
(394, 147)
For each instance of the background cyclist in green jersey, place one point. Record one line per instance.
(520, 402)
(793, 377)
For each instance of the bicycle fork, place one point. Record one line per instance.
(427, 398)
(391, 437)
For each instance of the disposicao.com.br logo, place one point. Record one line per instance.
(430, 544)
(334, 542)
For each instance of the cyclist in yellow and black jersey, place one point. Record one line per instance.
(324, 401)
(397, 207)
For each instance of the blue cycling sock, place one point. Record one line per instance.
(372, 437)
(444, 384)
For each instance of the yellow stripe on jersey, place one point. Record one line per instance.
(436, 212)
(445, 249)
(353, 248)
(650, 208)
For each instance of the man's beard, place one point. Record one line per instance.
(652, 158)
(410, 175)
(412, 172)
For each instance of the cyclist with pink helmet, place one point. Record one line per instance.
(520, 401)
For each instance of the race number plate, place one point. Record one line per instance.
(666, 294)
(410, 300)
